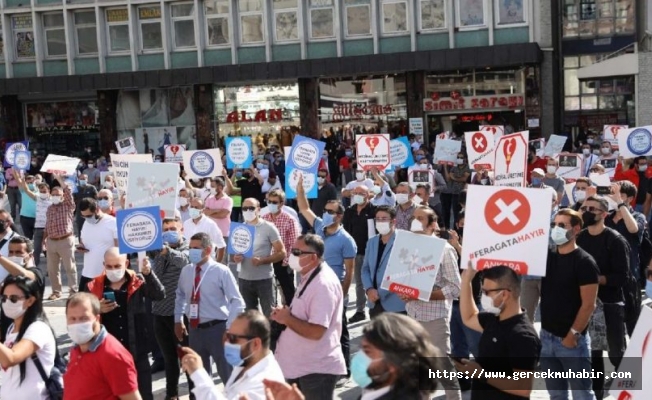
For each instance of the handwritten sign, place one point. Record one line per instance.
(238, 152)
(554, 146)
(60, 165)
(446, 151)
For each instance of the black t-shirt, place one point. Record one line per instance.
(505, 346)
(251, 188)
(356, 224)
(611, 252)
(116, 321)
(643, 184)
(560, 289)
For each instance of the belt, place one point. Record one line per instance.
(208, 324)
(60, 238)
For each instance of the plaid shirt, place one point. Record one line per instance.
(59, 217)
(403, 217)
(287, 228)
(448, 280)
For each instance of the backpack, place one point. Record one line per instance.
(53, 381)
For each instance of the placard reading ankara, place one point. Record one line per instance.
(139, 229)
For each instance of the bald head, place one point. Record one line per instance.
(197, 203)
(105, 193)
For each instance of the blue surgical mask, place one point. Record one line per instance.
(419, 157)
(261, 166)
(196, 255)
(359, 369)
(194, 212)
(31, 186)
(233, 354)
(273, 208)
(328, 219)
(82, 182)
(171, 237)
(238, 175)
(648, 289)
(103, 204)
(348, 153)
(536, 181)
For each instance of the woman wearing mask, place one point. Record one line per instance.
(29, 335)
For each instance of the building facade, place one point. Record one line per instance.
(79, 75)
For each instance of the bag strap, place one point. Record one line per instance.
(40, 368)
(303, 289)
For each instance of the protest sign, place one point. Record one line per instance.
(629, 384)
(444, 135)
(416, 126)
(22, 160)
(539, 145)
(508, 228)
(496, 130)
(446, 151)
(153, 185)
(635, 142)
(60, 165)
(609, 165)
(554, 146)
(238, 152)
(610, 134)
(510, 160)
(413, 265)
(139, 229)
(200, 164)
(480, 149)
(570, 166)
(126, 146)
(303, 162)
(417, 174)
(174, 153)
(120, 167)
(11, 149)
(372, 151)
(401, 153)
(571, 193)
(241, 239)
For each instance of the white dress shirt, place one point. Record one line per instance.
(205, 225)
(251, 382)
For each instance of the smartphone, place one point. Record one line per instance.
(604, 190)
(81, 247)
(443, 234)
(180, 352)
(109, 296)
(458, 359)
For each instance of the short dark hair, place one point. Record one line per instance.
(203, 237)
(603, 202)
(315, 243)
(168, 220)
(29, 244)
(423, 186)
(81, 297)
(583, 179)
(386, 209)
(219, 180)
(43, 184)
(340, 207)
(628, 188)
(575, 217)
(89, 204)
(505, 277)
(257, 326)
(432, 216)
(639, 158)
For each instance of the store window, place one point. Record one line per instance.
(252, 29)
(263, 112)
(149, 21)
(55, 35)
(183, 25)
(591, 18)
(23, 31)
(372, 103)
(395, 17)
(117, 25)
(321, 19)
(217, 22)
(432, 15)
(86, 32)
(286, 20)
(157, 117)
(470, 13)
(510, 12)
(358, 18)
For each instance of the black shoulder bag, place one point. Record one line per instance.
(53, 382)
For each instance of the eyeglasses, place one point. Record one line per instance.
(559, 224)
(248, 208)
(102, 198)
(591, 209)
(14, 298)
(487, 291)
(232, 337)
(331, 212)
(299, 252)
(272, 202)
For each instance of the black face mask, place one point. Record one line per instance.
(589, 219)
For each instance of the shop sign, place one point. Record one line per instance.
(149, 12)
(459, 103)
(117, 15)
(342, 112)
(273, 115)
(64, 129)
(476, 118)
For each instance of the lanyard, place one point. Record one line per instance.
(195, 289)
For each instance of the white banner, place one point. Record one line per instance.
(446, 151)
(153, 185)
(480, 149)
(120, 167)
(126, 146)
(554, 146)
(570, 166)
(174, 153)
(610, 134)
(635, 142)
(510, 162)
(60, 165)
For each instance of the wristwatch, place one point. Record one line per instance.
(621, 204)
(576, 333)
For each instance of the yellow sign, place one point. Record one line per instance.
(149, 12)
(119, 15)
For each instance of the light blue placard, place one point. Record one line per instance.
(238, 152)
(303, 161)
(400, 153)
(139, 229)
(22, 160)
(241, 239)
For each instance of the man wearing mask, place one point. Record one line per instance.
(534, 162)
(59, 235)
(92, 173)
(580, 192)
(199, 222)
(589, 159)
(100, 233)
(84, 190)
(218, 208)
(104, 368)
(339, 252)
(248, 187)
(185, 196)
(640, 174)
(325, 193)
(536, 180)
(568, 295)
(377, 252)
(308, 350)
(509, 342)
(247, 350)
(279, 167)
(405, 205)
(255, 274)
(383, 194)
(552, 180)
(608, 159)
(207, 295)
(358, 222)
(28, 204)
(122, 294)
(434, 315)
(105, 202)
(360, 180)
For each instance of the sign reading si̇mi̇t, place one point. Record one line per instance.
(509, 228)
(493, 102)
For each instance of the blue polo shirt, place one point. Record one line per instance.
(337, 247)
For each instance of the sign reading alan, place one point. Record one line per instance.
(507, 102)
(507, 229)
(274, 115)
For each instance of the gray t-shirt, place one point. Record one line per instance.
(556, 183)
(266, 234)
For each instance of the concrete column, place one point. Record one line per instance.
(203, 116)
(309, 111)
(107, 103)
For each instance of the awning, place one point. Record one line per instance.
(623, 65)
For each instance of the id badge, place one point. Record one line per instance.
(194, 311)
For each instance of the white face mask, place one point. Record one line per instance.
(642, 168)
(320, 180)
(605, 150)
(359, 176)
(295, 263)
(115, 275)
(416, 226)
(43, 196)
(194, 213)
(551, 169)
(376, 190)
(17, 260)
(383, 228)
(358, 199)
(402, 198)
(81, 333)
(273, 208)
(488, 305)
(580, 195)
(586, 152)
(559, 235)
(56, 199)
(249, 215)
(13, 310)
(183, 201)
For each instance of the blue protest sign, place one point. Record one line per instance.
(401, 153)
(238, 152)
(22, 160)
(10, 152)
(303, 161)
(72, 181)
(241, 239)
(139, 229)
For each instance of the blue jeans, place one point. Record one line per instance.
(464, 340)
(555, 357)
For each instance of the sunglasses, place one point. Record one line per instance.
(559, 224)
(299, 252)
(233, 338)
(14, 298)
(331, 212)
(248, 208)
(591, 209)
